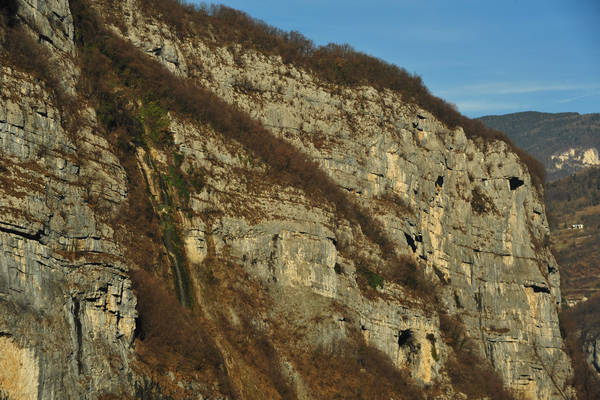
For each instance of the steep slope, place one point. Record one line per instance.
(298, 248)
(564, 142)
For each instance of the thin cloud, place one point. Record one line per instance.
(570, 99)
(504, 88)
(470, 106)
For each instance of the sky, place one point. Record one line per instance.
(485, 56)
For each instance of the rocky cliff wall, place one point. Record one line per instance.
(67, 309)
(475, 220)
(463, 210)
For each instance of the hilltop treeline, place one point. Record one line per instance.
(338, 64)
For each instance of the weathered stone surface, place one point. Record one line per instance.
(67, 309)
(53, 21)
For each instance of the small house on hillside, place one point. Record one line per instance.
(577, 226)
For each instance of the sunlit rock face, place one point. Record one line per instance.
(575, 159)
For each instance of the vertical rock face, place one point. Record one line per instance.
(64, 291)
(51, 20)
(67, 311)
(465, 210)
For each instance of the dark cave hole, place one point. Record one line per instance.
(404, 336)
(411, 242)
(515, 183)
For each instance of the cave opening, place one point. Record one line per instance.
(515, 183)
(411, 242)
(404, 337)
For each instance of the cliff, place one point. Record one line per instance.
(297, 251)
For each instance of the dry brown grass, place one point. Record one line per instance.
(173, 336)
(356, 371)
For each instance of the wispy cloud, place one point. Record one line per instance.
(507, 88)
(583, 96)
(475, 106)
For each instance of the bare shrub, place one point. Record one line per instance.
(8, 13)
(481, 203)
(357, 371)
(172, 331)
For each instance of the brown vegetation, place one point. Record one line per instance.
(27, 55)
(177, 338)
(481, 203)
(8, 12)
(576, 200)
(357, 371)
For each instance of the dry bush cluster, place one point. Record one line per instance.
(176, 336)
(481, 203)
(339, 64)
(22, 51)
(8, 13)
(357, 371)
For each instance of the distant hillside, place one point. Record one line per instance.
(564, 142)
(569, 201)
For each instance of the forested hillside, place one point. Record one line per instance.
(544, 135)
(570, 201)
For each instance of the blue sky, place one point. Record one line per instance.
(487, 57)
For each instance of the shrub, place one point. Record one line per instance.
(578, 324)
(156, 121)
(481, 203)
(468, 372)
(373, 279)
(356, 371)
(170, 329)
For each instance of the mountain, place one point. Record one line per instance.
(197, 205)
(564, 142)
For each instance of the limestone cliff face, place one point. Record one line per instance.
(67, 309)
(464, 210)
